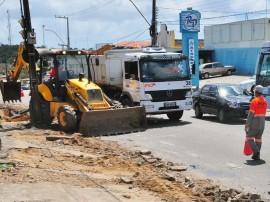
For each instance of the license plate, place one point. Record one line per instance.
(169, 104)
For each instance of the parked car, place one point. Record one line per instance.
(223, 100)
(25, 86)
(249, 84)
(215, 68)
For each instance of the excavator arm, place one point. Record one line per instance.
(11, 86)
(18, 65)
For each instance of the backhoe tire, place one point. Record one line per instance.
(44, 111)
(126, 102)
(67, 118)
(46, 118)
(175, 116)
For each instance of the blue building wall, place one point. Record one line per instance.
(243, 58)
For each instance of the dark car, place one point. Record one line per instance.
(25, 86)
(215, 68)
(223, 100)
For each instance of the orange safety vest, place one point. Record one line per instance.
(258, 106)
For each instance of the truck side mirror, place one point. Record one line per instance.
(193, 68)
(97, 61)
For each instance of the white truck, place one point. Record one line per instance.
(263, 70)
(150, 77)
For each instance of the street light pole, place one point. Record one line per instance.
(57, 36)
(64, 17)
(43, 27)
(154, 25)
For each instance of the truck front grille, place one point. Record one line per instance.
(168, 95)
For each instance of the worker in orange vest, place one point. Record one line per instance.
(256, 121)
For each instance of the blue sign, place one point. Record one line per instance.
(190, 21)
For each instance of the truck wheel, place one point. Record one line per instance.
(198, 112)
(127, 102)
(45, 111)
(67, 118)
(175, 116)
(206, 75)
(222, 116)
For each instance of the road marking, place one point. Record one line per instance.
(232, 165)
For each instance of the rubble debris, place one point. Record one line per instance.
(126, 180)
(178, 168)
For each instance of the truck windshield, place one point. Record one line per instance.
(264, 68)
(164, 70)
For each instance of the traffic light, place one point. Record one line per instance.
(30, 36)
(22, 32)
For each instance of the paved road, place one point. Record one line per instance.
(209, 149)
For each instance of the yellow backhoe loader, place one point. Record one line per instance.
(75, 101)
(68, 96)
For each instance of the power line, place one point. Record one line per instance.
(2, 2)
(92, 8)
(140, 13)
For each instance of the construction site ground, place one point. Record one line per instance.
(50, 165)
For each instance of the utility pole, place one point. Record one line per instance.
(153, 27)
(9, 29)
(29, 37)
(68, 42)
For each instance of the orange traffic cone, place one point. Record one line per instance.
(247, 149)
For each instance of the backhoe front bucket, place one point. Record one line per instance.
(11, 91)
(113, 121)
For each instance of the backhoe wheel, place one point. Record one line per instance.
(46, 118)
(67, 118)
(127, 103)
(175, 116)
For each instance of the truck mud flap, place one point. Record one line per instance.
(114, 121)
(11, 91)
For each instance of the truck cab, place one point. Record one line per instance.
(153, 78)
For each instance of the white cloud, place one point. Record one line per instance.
(93, 22)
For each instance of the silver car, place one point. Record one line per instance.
(215, 68)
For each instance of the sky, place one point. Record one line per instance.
(94, 22)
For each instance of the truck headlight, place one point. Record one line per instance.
(189, 94)
(148, 96)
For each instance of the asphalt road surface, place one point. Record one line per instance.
(210, 149)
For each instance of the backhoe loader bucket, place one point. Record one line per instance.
(114, 121)
(11, 91)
